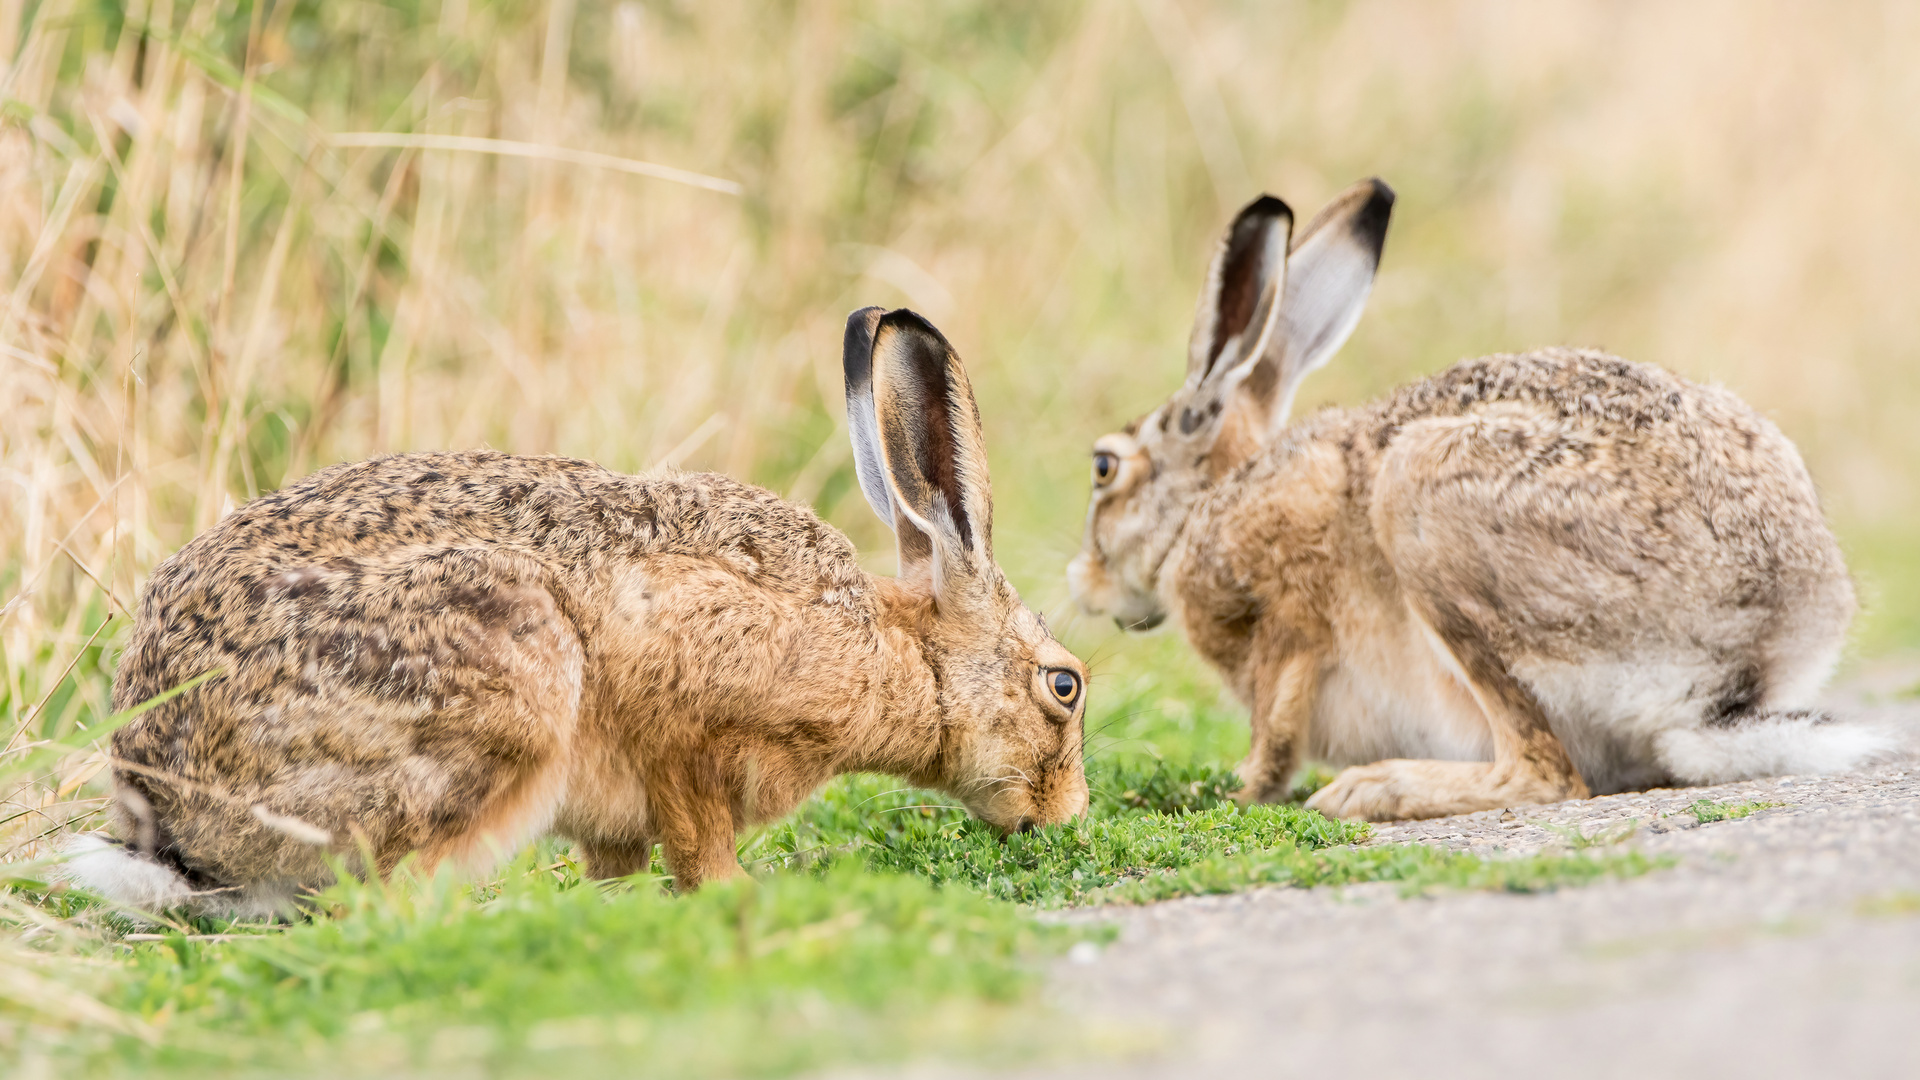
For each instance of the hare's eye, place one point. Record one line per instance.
(1105, 468)
(1065, 686)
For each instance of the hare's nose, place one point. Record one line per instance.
(1150, 622)
(1024, 825)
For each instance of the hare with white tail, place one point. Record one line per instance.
(448, 655)
(1527, 578)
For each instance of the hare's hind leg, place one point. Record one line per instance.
(1475, 515)
(494, 767)
(1530, 765)
(433, 712)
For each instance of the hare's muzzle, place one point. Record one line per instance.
(1097, 592)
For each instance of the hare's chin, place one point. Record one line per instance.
(1097, 593)
(1132, 611)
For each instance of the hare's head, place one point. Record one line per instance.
(1276, 306)
(1012, 699)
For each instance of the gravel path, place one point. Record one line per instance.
(1786, 943)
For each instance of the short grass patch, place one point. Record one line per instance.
(1706, 811)
(541, 971)
(1417, 868)
(1605, 835)
(1146, 818)
(878, 923)
(1074, 862)
(1155, 832)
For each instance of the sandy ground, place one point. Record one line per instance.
(1786, 943)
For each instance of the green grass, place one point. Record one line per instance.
(1156, 831)
(863, 935)
(1417, 868)
(748, 977)
(1069, 863)
(878, 923)
(1146, 817)
(1706, 811)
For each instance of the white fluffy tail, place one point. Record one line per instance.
(1773, 744)
(101, 864)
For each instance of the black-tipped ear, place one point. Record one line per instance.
(856, 358)
(1369, 223)
(1242, 284)
(1330, 273)
(933, 450)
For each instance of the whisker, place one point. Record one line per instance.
(883, 794)
(1109, 721)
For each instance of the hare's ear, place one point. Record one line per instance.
(863, 424)
(1237, 305)
(933, 456)
(1329, 274)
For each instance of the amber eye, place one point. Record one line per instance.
(1064, 685)
(1105, 468)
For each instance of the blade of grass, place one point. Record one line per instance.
(509, 148)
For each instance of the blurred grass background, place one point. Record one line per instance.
(233, 247)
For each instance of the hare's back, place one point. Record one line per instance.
(382, 504)
(1669, 460)
(1587, 501)
(340, 567)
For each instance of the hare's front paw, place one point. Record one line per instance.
(1260, 784)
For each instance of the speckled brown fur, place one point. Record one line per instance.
(449, 654)
(1529, 573)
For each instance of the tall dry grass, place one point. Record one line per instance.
(240, 241)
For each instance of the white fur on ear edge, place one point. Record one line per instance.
(863, 422)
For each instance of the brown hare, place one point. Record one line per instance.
(451, 654)
(1524, 579)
